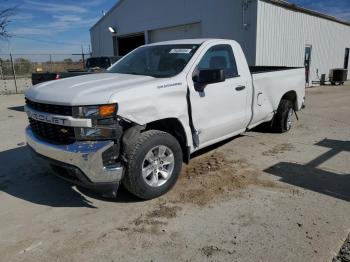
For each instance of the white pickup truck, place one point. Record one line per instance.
(138, 123)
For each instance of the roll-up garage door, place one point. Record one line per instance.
(174, 33)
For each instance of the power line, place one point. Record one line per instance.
(49, 41)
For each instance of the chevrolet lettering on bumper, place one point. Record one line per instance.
(56, 119)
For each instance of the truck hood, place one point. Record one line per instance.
(91, 89)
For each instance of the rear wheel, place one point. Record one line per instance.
(154, 161)
(283, 120)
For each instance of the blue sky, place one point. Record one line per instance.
(337, 8)
(62, 26)
(58, 26)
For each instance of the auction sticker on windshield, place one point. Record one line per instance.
(180, 51)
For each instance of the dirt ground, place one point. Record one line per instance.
(257, 197)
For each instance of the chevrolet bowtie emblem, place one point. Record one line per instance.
(64, 131)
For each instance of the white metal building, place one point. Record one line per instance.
(271, 32)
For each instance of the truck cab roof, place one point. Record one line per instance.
(197, 41)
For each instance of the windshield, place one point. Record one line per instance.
(156, 61)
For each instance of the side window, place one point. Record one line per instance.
(220, 57)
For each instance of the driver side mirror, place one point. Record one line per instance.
(208, 76)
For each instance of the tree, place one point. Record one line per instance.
(68, 61)
(5, 15)
(23, 66)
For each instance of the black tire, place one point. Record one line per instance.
(280, 121)
(135, 151)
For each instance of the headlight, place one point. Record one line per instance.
(104, 122)
(96, 133)
(97, 112)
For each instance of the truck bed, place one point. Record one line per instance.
(270, 84)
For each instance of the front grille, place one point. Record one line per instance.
(51, 109)
(53, 133)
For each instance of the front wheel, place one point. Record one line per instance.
(283, 120)
(154, 161)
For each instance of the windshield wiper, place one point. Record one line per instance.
(140, 74)
(133, 73)
(160, 76)
(147, 74)
(126, 73)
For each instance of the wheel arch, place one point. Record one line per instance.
(291, 96)
(174, 127)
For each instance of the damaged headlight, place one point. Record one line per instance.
(97, 133)
(104, 122)
(97, 112)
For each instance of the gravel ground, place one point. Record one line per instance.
(344, 253)
(257, 197)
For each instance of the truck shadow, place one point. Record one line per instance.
(123, 196)
(213, 147)
(17, 108)
(311, 177)
(25, 178)
(264, 128)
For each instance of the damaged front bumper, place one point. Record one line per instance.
(80, 163)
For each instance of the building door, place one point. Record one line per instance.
(307, 62)
(115, 46)
(346, 59)
(177, 32)
(126, 44)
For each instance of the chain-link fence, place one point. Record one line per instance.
(16, 69)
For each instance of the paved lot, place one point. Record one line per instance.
(258, 197)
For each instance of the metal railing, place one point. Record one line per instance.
(16, 69)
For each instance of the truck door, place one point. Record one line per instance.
(221, 109)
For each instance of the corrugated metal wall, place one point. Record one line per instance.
(218, 19)
(282, 35)
(177, 32)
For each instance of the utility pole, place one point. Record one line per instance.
(14, 72)
(83, 55)
(50, 63)
(1, 71)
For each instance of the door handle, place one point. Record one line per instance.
(240, 88)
